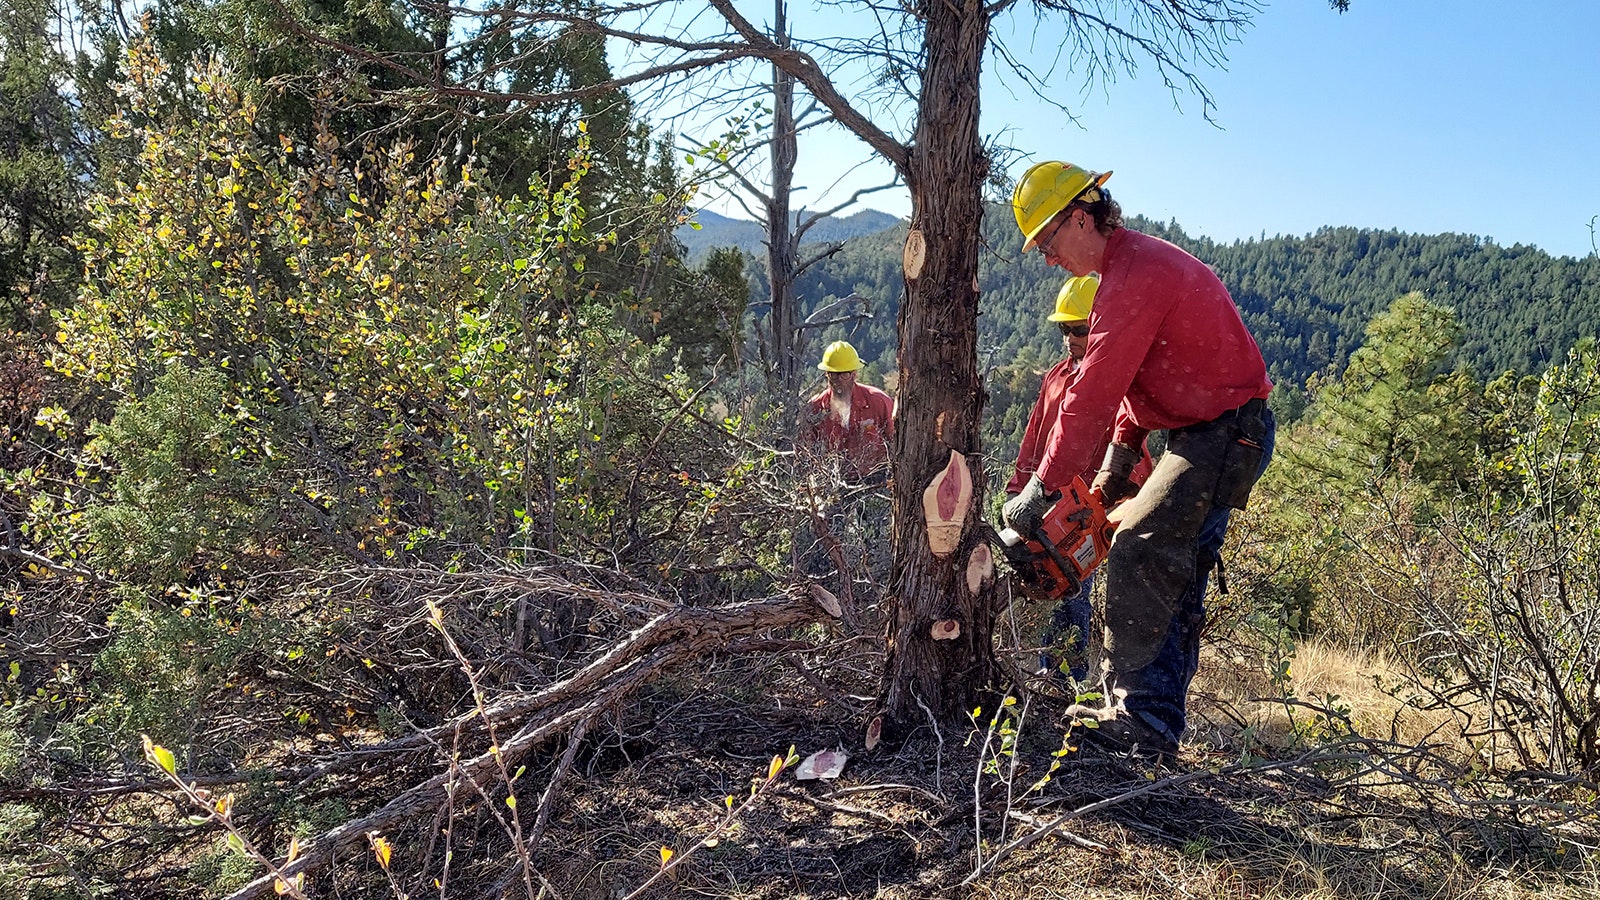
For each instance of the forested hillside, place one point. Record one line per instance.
(710, 230)
(1306, 299)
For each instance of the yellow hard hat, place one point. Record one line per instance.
(1046, 189)
(840, 357)
(1076, 298)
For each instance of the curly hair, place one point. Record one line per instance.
(1106, 212)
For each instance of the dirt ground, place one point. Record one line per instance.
(914, 821)
(668, 794)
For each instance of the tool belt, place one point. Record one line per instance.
(1242, 454)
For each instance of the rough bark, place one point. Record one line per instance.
(941, 394)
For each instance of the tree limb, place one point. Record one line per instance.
(670, 639)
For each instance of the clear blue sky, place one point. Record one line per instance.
(1423, 115)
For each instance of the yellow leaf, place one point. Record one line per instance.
(666, 854)
(511, 802)
(381, 850)
(775, 768)
(160, 755)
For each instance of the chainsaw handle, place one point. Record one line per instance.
(1067, 570)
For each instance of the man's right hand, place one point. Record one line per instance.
(1114, 482)
(1113, 488)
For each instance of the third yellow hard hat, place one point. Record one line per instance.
(1076, 298)
(840, 357)
(1046, 189)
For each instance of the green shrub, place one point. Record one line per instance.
(397, 363)
(12, 744)
(180, 492)
(219, 870)
(164, 660)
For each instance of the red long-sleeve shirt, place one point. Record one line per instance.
(865, 441)
(1165, 343)
(1042, 421)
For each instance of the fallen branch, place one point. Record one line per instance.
(547, 800)
(871, 815)
(1076, 840)
(692, 629)
(672, 638)
(92, 788)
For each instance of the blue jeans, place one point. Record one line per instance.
(1157, 692)
(1070, 620)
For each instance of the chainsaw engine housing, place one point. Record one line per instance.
(1071, 542)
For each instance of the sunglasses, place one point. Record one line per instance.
(1074, 329)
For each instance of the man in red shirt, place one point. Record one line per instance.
(854, 420)
(1166, 350)
(1071, 617)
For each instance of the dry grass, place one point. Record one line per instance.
(1368, 689)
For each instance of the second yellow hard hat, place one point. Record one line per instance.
(1076, 298)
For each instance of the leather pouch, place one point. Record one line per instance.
(1242, 458)
(1241, 466)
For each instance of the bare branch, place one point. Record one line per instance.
(805, 226)
(831, 248)
(805, 70)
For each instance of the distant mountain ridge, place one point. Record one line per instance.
(722, 231)
(1307, 299)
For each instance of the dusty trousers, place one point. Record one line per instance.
(1157, 572)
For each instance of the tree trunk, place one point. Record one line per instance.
(941, 395)
(781, 251)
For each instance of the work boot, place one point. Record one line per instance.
(1121, 731)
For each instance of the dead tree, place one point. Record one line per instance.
(782, 336)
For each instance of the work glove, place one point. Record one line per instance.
(1114, 481)
(1113, 488)
(1026, 510)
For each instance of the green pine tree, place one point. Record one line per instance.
(1395, 410)
(42, 167)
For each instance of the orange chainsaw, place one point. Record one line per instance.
(1072, 540)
